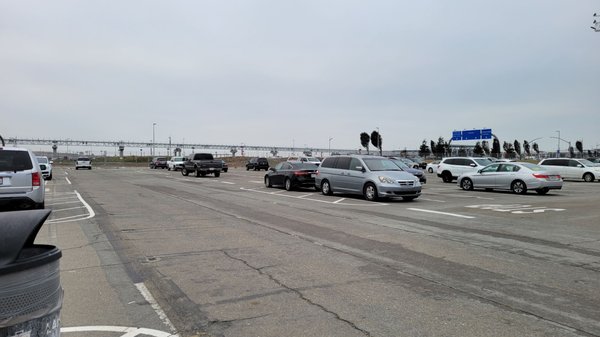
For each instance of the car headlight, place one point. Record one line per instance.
(386, 180)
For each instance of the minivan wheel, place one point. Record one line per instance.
(447, 177)
(430, 170)
(518, 187)
(326, 188)
(542, 191)
(588, 177)
(466, 184)
(370, 192)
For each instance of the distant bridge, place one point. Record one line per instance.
(174, 147)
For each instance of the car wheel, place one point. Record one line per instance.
(430, 170)
(326, 188)
(76, 168)
(542, 191)
(268, 182)
(225, 170)
(247, 168)
(447, 177)
(50, 177)
(169, 168)
(184, 172)
(370, 192)
(518, 187)
(588, 177)
(288, 184)
(217, 174)
(41, 205)
(466, 184)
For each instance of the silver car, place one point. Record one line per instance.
(21, 181)
(371, 176)
(514, 176)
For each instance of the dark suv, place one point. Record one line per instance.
(158, 162)
(257, 163)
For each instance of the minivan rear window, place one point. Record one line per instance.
(15, 161)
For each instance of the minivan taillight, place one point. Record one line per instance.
(35, 179)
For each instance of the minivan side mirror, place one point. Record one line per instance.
(362, 169)
(473, 165)
(579, 165)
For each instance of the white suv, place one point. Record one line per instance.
(21, 181)
(450, 168)
(83, 162)
(45, 166)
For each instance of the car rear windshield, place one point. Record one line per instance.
(381, 164)
(83, 159)
(483, 161)
(304, 166)
(203, 156)
(42, 160)
(15, 161)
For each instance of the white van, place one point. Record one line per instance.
(570, 168)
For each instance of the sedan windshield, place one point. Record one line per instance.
(381, 164)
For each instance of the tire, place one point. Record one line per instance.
(288, 184)
(50, 177)
(542, 191)
(76, 168)
(217, 174)
(408, 198)
(247, 168)
(225, 170)
(268, 182)
(430, 170)
(41, 205)
(326, 188)
(466, 184)
(447, 177)
(184, 172)
(588, 177)
(169, 168)
(370, 192)
(519, 187)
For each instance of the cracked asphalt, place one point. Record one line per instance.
(229, 257)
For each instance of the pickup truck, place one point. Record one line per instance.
(202, 164)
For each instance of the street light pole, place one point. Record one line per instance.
(558, 146)
(330, 139)
(153, 140)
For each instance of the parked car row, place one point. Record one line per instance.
(370, 176)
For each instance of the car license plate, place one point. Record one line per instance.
(553, 178)
(312, 175)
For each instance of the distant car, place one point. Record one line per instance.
(21, 181)
(594, 160)
(452, 167)
(514, 176)
(291, 175)
(408, 162)
(571, 168)
(158, 162)
(416, 172)
(503, 160)
(83, 162)
(175, 163)
(257, 164)
(47, 169)
(309, 160)
(225, 166)
(432, 167)
(371, 176)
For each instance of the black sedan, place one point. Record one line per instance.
(291, 175)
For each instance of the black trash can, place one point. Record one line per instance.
(30, 291)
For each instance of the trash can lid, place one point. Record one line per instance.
(19, 229)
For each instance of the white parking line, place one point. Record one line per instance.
(228, 183)
(150, 299)
(433, 200)
(340, 200)
(68, 180)
(67, 209)
(441, 213)
(256, 181)
(337, 202)
(63, 203)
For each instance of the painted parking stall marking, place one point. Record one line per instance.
(121, 331)
(69, 207)
(516, 208)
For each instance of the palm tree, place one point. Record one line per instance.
(376, 141)
(364, 140)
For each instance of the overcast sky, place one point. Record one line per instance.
(279, 72)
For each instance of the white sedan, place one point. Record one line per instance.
(432, 167)
(514, 176)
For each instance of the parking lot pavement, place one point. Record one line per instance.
(100, 299)
(228, 256)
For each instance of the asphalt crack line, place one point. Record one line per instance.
(298, 293)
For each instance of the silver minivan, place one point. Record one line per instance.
(371, 176)
(21, 181)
